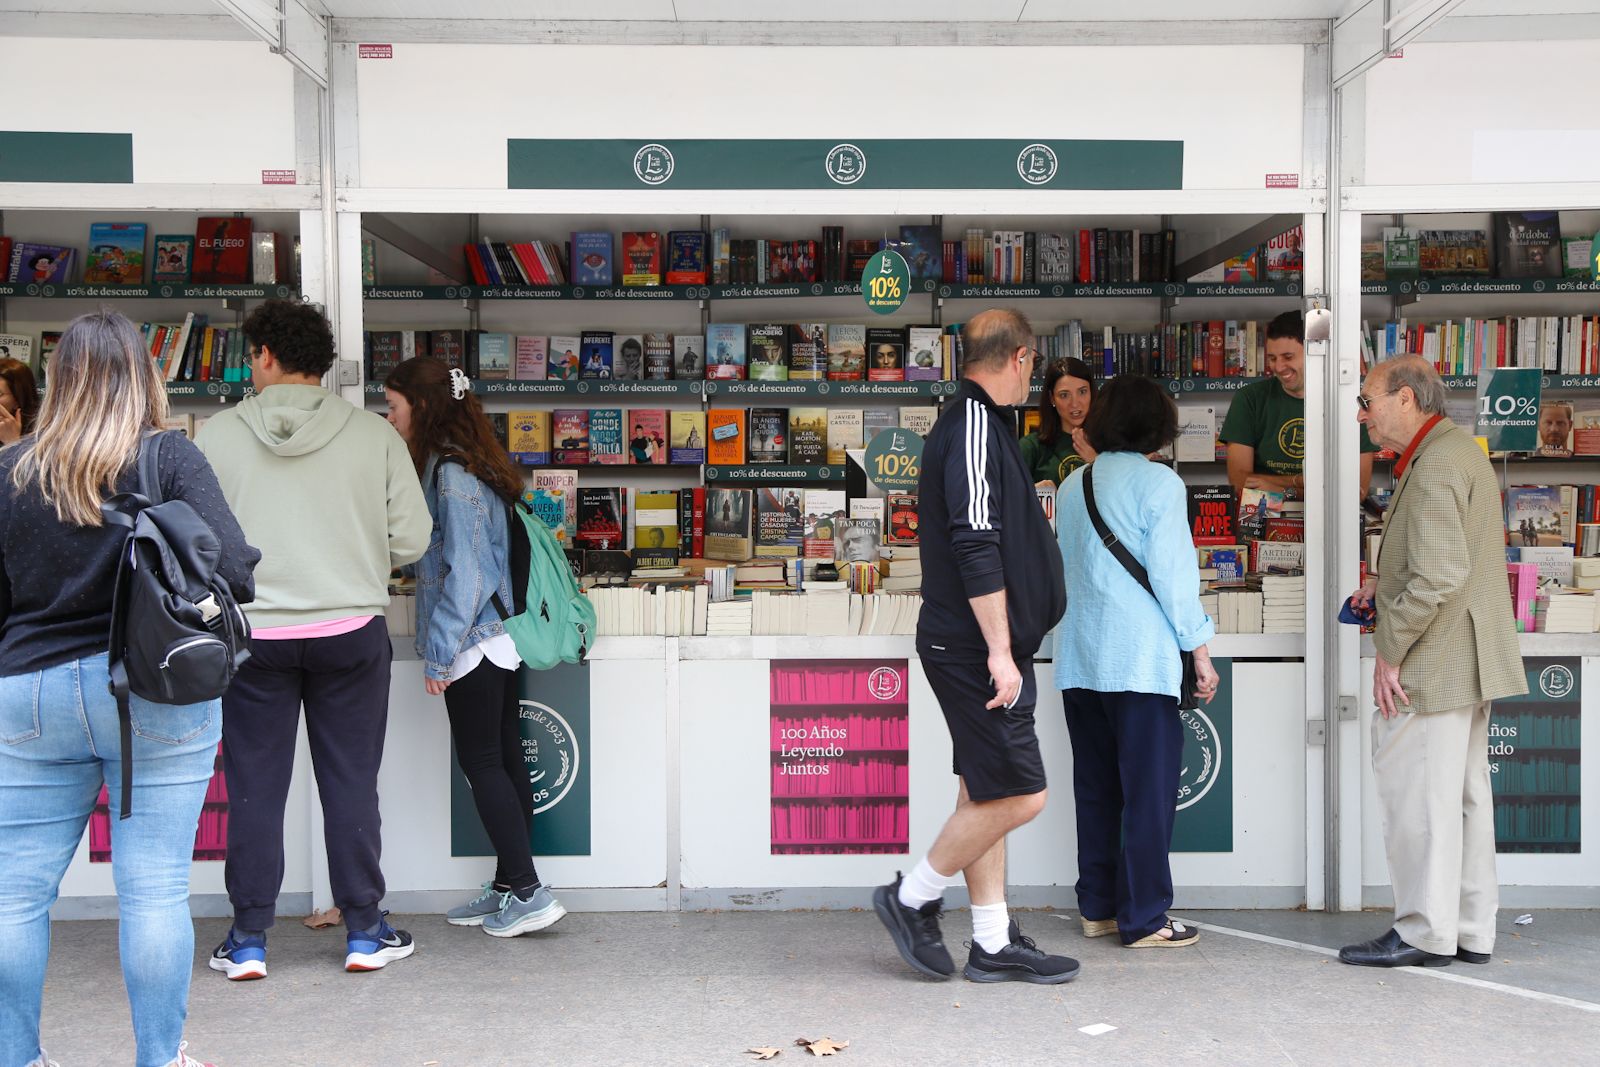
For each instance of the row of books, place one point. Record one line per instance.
(1560, 344)
(1219, 348)
(1216, 348)
(688, 611)
(726, 351)
(665, 528)
(1527, 244)
(796, 436)
(222, 250)
(196, 351)
(645, 258)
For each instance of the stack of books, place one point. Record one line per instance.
(1283, 603)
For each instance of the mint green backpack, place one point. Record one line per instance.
(550, 620)
(556, 620)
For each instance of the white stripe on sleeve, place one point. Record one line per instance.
(977, 457)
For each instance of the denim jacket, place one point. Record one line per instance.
(467, 560)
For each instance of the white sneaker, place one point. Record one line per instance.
(186, 1060)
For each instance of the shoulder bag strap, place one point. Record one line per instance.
(1109, 539)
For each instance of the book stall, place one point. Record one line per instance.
(715, 343)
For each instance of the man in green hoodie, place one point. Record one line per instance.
(329, 494)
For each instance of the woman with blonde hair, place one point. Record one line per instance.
(59, 733)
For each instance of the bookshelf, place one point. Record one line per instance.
(36, 309)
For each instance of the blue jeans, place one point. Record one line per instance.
(58, 743)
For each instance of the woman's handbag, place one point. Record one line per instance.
(1189, 687)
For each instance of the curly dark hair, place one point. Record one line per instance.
(296, 333)
(442, 424)
(1049, 418)
(1131, 414)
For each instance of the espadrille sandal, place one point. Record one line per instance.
(1098, 927)
(1179, 936)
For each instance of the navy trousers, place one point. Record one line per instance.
(343, 683)
(1127, 751)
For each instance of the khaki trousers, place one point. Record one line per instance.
(1438, 826)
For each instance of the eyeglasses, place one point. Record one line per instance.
(1038, 357)
(1366, 401)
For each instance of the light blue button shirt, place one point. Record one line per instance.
(1115, 637)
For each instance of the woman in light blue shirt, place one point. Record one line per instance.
(1118, 667)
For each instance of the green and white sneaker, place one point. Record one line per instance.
(474, 911)
(524, 916)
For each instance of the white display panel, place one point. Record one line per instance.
(206, 112)
(1483, 112)
(1231, 141)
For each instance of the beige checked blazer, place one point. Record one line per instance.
(1444, 606)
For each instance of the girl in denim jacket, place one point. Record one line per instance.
(463, 585)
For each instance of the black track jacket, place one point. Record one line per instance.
(982, 530)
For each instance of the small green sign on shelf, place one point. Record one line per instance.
(1508, 408)
(894, 460)
(886, 282)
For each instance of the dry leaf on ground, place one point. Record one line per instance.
(763, 1053)
(319, 920)
(822, 1046)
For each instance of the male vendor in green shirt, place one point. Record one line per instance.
(1266, 425)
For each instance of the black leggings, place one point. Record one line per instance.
(485, 723)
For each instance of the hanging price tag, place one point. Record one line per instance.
(894, 460)
(1508, 408)
(886, 282)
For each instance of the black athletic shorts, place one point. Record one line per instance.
(995, 749)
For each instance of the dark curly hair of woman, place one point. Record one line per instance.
(297, 335)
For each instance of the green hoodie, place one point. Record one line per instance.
(329, 495)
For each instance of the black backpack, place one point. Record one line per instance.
(177, 633)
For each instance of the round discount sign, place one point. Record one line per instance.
(886, 282)
(894, 460)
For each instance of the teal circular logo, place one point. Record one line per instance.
(894, 460)
(846, 164)
(551, 752)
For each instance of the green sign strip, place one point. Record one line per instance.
(45, 156)
(572, 163)
(1204, 821)
(555, 727)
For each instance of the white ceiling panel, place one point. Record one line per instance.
(1179, 10)
(848, 11)
(562, 10)
(114, 7)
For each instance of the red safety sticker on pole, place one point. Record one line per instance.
(374, 51)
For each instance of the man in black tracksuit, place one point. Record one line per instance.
(991, 589)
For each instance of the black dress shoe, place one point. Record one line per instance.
(1468, 956)
(1390, 951)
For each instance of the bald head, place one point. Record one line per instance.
(991, 338)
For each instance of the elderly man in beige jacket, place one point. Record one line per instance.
(1446, 646)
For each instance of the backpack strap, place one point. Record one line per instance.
(150, 467)
(451, 457)
(122, 510)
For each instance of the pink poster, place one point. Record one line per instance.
(840, 741)
(210, 838)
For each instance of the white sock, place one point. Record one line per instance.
(991, 926)
(923, 884)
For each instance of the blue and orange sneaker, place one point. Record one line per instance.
(241, 958)
(375, 949)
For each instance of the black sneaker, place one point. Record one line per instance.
(1020, 961)
(915, 930)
